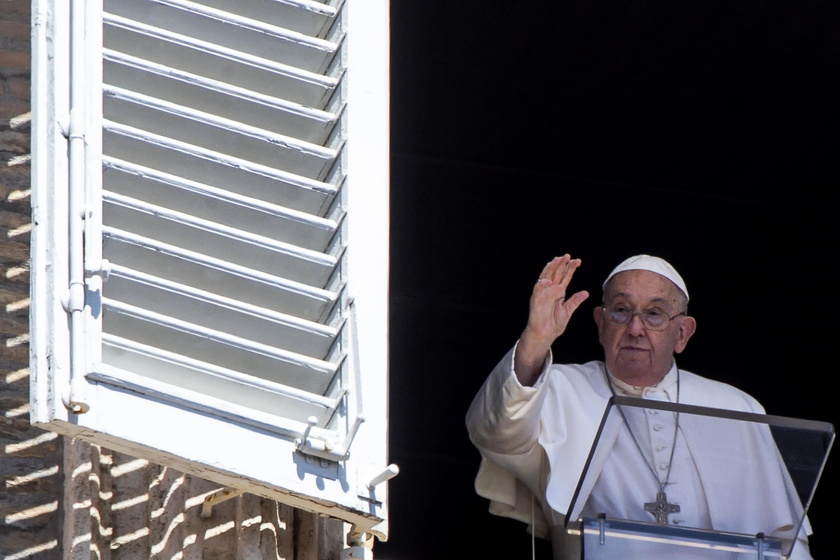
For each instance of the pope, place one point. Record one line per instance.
(534, 421)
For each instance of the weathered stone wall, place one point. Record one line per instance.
(66, 499)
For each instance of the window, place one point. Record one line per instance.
(210, 251)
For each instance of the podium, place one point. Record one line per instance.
(753, 475)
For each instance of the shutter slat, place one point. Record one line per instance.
(236, 103)
(305, 16)
(226, 65)
(220, 276)
(183, 371)
(220, 205)
(221, 313)
(219, 170)
(216, 240)
(230, 30)
(218, 134)
(217, 347)
(290, 423)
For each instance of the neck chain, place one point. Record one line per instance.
(659, 508)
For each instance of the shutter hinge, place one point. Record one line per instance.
(71, 125)
(329, 449)
(102, 268)
(74, 298)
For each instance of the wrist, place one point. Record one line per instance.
(529, 360)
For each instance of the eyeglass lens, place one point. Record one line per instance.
(653, 318)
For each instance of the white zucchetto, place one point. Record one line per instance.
(653, 264)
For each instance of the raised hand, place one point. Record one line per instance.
(550, 312)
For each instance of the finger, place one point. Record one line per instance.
(573, 302)
(553, 271)
(565, 271)
(549, 270)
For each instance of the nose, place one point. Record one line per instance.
(636, 327)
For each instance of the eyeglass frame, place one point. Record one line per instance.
(642, 319)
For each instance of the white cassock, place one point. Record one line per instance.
(535, 441)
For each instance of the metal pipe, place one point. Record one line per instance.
(76, 139)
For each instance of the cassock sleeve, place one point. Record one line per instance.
(503, 423)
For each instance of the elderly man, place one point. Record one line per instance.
(535, 421)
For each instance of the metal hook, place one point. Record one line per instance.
(390, 472)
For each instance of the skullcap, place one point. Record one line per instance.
(653, 264)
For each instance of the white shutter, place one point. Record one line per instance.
(210, 245)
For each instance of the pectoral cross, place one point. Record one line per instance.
(661, 508)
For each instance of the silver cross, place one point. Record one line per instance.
(661, 508)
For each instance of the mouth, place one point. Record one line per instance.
(633, 349)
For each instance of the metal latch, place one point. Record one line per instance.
(329, 449)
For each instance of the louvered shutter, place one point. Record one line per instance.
(210, 242)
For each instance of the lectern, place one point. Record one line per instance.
(754, 474)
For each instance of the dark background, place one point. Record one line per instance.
(702, 132)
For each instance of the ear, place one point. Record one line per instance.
(687, 327)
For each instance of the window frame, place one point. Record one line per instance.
(179, 432)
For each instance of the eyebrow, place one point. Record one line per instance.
(654, 300)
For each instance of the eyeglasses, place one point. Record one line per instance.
(654, 319)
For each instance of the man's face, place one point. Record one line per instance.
(633, 352)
